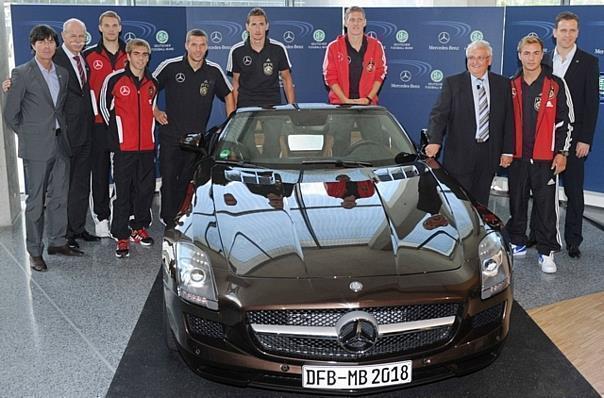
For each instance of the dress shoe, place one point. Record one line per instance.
(573, 251)
(88, 237)
(71, 242)
(65, 250)
(37, 263)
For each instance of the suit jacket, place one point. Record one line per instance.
(582, 78)
(30, 112)
(78, 106)
(453, 115)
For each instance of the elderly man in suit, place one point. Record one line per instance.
(474, 111)
(34, 109)
(80, 119)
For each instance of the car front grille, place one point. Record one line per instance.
(200, 327)
(328, 347)
(490, 316)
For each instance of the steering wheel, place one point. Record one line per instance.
(365, 146)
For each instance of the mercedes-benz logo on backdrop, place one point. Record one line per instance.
(443, 37)
(372, 34)
(357, 332)
(405, 76)
(129, 36)
(289, 36)
(216, 37)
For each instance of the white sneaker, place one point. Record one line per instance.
(101, 229)
(547, 263)
(518, 250)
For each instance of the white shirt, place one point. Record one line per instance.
(476, 84)
(74, 64)
(561, 65)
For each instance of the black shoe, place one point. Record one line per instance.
(37, 263)
(530, 242)
(573, 251)
(64, 250)
(71, 242)
(88, 237)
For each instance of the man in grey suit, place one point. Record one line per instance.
(34, 109)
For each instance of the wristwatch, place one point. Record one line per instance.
(563, 153)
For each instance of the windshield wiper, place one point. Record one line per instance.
(338, 163)
(239, 163)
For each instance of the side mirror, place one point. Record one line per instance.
(423, 139)
(193, 142)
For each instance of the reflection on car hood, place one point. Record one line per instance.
(339, 222)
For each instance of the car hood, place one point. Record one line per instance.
(336, 223)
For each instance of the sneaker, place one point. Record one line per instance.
(101, 229)
(141, 236)
(518, 250)
(547, 263)
(122, 249)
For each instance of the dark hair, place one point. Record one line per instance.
(196, 33)
(41, 33)
(256, 12)
(566, 16)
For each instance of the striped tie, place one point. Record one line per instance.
(80, 70)
(483, 115)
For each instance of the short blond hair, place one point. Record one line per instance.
(529, 39)
(137, 43)
(109, 14)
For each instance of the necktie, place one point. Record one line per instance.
(80, 69)
(483, 115)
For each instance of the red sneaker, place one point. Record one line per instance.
(141, 236)
(123, 248)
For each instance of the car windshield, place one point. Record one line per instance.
(338, 136)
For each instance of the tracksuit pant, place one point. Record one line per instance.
(526, 176)
(134, 177)
(101, 167)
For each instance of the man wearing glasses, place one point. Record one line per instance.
(474, 111)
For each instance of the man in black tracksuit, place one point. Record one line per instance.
(542, 121)
(191, 83)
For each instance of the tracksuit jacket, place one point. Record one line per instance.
(335, 67)
(99, 62)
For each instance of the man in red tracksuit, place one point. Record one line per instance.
(543, 114)
(103, 59)
(354, 67)
(127, 100)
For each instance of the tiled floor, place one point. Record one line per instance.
(63, 332)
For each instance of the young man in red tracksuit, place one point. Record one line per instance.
(103, 59)
(543, 113)
(127, 101)
(354, 67)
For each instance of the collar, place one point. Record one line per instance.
(101, 47)
(480, 80)
(69, 54)
(43, 69)
(570, 55)
(248, 42)
(185, 61)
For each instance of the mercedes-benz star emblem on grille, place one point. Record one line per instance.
(357, 332)
(356, 286)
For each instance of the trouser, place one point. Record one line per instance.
(101, 169)
(47, 184)
(573, 188)
(176, 168)
(477, 182)
(526, 176)
(79, 189)
(134, 177)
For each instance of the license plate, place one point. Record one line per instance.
(356, 377)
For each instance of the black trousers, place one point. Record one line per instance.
(538, 177)
(478, 181)
(101, 169)
(79, 188)
(573, 178)
(176, 169)
(134, 177)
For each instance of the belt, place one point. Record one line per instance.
(57, 132)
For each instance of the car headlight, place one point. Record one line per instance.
(494, 265)
(194, 276)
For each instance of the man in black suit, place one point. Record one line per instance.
(80, 118)
(474, 110)
(581, 72)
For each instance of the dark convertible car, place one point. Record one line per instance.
(317, 250)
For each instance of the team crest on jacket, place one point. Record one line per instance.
(247, 60)
(180, 77)
(204, 88)
(370, 66)
(537, 104)
(551, 93)
(97, 64)
(267, 68)
(125, 91)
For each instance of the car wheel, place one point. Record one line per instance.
(168, 334)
